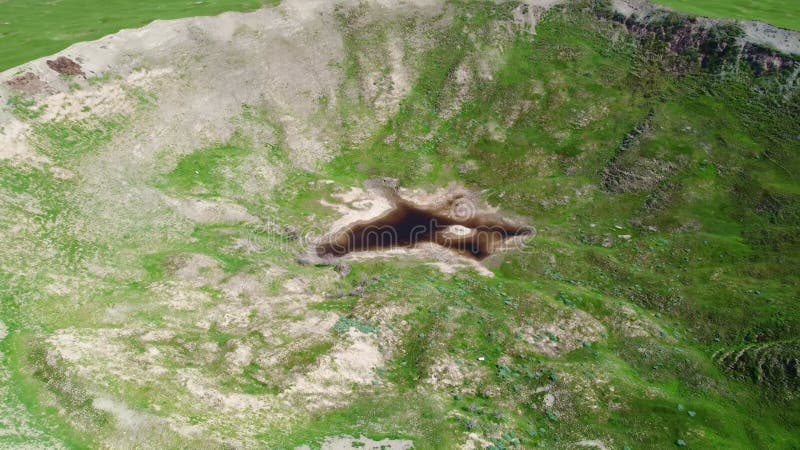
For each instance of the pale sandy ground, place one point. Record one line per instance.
(347, 443)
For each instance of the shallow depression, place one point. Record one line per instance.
(407, 225)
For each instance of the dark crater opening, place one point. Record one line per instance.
(407, 225)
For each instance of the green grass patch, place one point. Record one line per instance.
(67, 141)
(24, 108)
(344, 324)
(781, 13)
(199, 172)
(307, 355)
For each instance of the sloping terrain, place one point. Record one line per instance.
(161, 190)
(30, 29)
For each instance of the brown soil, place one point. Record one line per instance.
(28, 83)
(65, 66)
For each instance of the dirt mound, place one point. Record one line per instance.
(65, 66)
(28, 83)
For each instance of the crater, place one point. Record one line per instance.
(456, 225)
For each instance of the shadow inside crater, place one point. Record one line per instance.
(406, 225)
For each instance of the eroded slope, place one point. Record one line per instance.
(157, 207)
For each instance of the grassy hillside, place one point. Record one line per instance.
(781, 13)
(36, 28)
(655, 308)
(32, 29)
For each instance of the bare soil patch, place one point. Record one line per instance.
(65, 66)
(28, 83)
